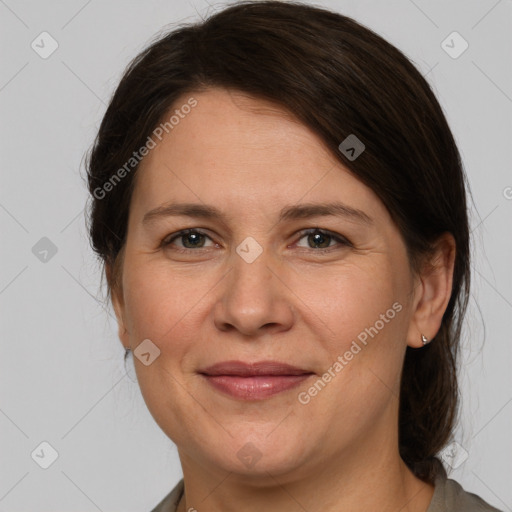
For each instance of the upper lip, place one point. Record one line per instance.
(240, 368)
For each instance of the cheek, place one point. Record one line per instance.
(364, 320)
(347, 300)
(159, 300)
(165, 306)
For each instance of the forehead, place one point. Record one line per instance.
(233, 124)
(231, 145)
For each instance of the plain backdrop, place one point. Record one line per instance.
(62, 377)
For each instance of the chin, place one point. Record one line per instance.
(257, 456)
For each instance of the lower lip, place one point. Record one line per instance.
(255, 387)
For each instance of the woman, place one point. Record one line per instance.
(280, 207)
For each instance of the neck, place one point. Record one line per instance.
(387, 486)
(364, 474)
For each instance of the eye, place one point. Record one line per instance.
(190, 239)
(321, 239)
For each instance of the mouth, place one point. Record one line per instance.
(254, 381)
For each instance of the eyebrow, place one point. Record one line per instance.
(293, 212)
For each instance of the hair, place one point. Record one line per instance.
(338, 78)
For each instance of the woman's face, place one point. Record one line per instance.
(255, 282)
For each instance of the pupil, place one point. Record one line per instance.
(319, 237)
(195, 237)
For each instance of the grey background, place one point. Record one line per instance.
(61, 365)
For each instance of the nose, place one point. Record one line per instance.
(254, 298)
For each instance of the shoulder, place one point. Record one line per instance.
(170, 502)
(449, 496)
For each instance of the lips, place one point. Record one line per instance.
(241, 369)
(254, 381)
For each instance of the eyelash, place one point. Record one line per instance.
(340, 239)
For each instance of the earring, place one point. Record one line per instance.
(424, 340)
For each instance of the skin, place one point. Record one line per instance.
(294, 304)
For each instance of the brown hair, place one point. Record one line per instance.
(338, 78)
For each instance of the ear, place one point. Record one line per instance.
(432, 292)
(116, 294)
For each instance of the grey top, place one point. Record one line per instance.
(448, 496)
